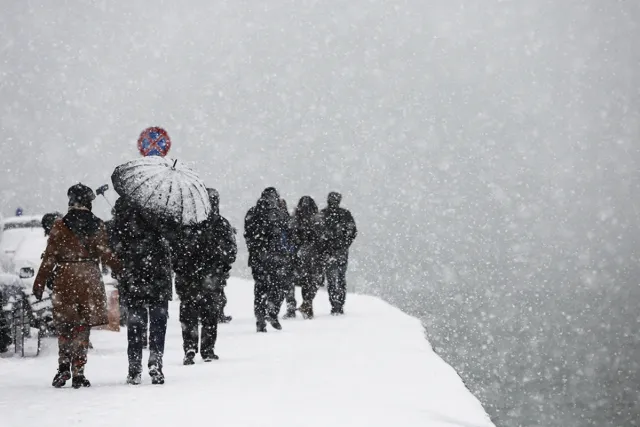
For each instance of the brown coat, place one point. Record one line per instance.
(78, 296)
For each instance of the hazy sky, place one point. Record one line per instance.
(439, 120)
(444, 123)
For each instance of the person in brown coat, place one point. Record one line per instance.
(77, 243)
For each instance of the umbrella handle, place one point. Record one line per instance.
(108, 202)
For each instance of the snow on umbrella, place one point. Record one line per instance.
(164, 188)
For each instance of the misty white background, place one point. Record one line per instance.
(488, 150)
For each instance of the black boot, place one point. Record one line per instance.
(225, 319)
(275, 323)
(307, 310)
(188, 358)
(79, 380)
(157, 377)
(291, 314)
(62, 376)
(261, 326)
(210, 357)
(134, 377)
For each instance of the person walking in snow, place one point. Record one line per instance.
(288, 293)
(340, 232)
(77, 244)
(307, 231)
(204, 255)
(145, 285)
(226, 249)
(264, 226)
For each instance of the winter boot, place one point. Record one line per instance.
(337, 311)
(261, 326)
(291, 314)
(62, 376)
(210, 357)
(225, 319)
(188, 358)
(307, 310)
(275, 323)
(157, 377)
(80, 381)
(134, 377)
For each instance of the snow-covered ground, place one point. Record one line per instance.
(372, 367)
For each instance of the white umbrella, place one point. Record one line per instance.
(164, 188)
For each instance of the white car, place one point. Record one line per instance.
(15, 230)
(28, 257)
(21, 247)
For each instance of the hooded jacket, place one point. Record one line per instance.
(264, 227)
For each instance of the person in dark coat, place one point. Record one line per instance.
(226, 249)
(204, 255)
(340, 232)
(307, 232)
(289, 292)
(264, 226)
(77, 244)
(145, 285)
(48, 219)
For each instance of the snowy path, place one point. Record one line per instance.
(372, 367)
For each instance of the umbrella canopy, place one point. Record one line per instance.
(164, 188)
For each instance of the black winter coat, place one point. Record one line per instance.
(265, 231)
(145, 256)
(307, 236)
(205, 250)
(340, 229)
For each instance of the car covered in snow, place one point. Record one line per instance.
(28, 257)
(21, 247)
(15, 231)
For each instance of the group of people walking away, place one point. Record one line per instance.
(302, 250)
(147, 258)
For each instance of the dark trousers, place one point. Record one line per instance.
(336, 273)
(136, 325)
(73, 345)
(203, 306)
(269, 284)
(309, 282)
(288, 290)
(290, 295)
(222, 301)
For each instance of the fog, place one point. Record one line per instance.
(488, 150)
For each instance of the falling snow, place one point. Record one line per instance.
(488, 150)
